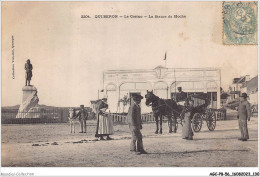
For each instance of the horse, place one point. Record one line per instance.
(163, 107)
(73, 118)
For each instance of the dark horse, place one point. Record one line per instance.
(163, 107)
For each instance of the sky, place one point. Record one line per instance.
(69, 53)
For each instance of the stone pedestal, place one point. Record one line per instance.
(29, 102)
(27, 91)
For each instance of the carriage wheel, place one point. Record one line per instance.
(196, 122)
(211, 121)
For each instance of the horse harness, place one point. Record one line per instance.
(156, 108)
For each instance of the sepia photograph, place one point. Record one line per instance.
(130, 84)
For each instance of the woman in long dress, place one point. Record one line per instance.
(105, 125)
(187, 132)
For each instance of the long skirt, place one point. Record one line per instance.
(243, 128)
(186, 129)
(105, 126)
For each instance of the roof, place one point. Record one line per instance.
(252, 84)
(235, 80)
(240, 80)
(159, 67)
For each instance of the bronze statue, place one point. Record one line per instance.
(28, 72)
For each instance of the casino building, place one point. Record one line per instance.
(164, 83)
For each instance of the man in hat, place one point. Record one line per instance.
(181, 96)
(135, 125)
(243, 116)
(28, 72)
(82, 114)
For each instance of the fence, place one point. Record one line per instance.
(148, 117)
(221, 114)
(8, 116)
(254, 110)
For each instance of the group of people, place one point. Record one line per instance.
(135, 123)
(244, 114)
(105, 124)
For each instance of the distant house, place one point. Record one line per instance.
(244, 85)
(238, 86)
(252, 90)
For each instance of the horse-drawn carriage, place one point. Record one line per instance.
(174, 111)
(201, 112)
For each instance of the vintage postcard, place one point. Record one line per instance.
(130, 84)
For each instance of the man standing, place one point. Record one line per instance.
(135, 125)
(82, 114)
(28, 72)
(244, 114)
(181, 96)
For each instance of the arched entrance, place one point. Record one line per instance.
(128, 88)
(161, 89)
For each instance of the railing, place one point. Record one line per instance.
(254, 110)
(8, 116)
(221, 114)
(12, 116)
(147, 117)
(118, 117)
(30, 121)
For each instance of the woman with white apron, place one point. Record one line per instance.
(105, 125)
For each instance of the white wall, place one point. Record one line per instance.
(253, 98)
(112, 100)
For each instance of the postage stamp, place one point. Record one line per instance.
(239, 23)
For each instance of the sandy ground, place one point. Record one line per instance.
(219, 148)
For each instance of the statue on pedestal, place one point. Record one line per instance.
(28, 72)
(29, 107)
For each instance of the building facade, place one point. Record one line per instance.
(237, 87)
(252, 90)
(164, 83)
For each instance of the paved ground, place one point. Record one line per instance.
(219, 148)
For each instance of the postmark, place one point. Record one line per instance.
(240, 23)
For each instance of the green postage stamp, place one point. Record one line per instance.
(240, 22)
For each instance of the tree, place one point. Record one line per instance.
(125, 100)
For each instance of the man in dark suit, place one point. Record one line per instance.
(82, 114)
(181, 96)
(244, 114)
(135, 125)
